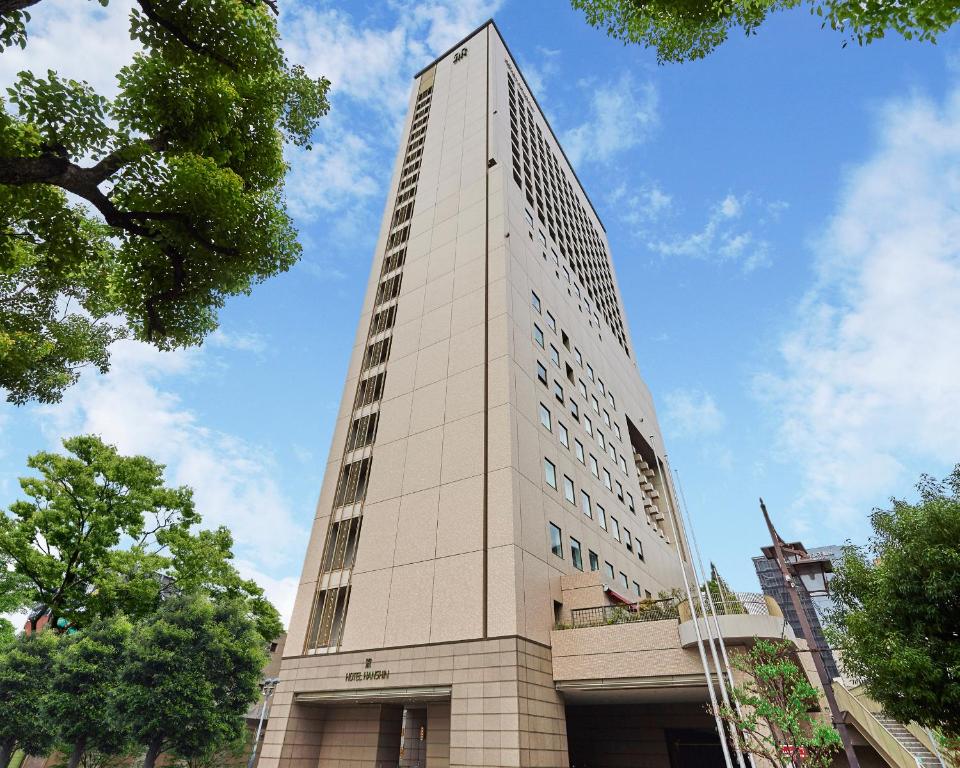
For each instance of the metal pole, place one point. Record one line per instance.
(703, 656)
(807, 632)
(685, 511)
(268, 687)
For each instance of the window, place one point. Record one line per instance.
(614, 528)
(554, 356)
(578, 356)
(639, 549)
(619, 490)
(585, 503)
(594, 560)
(588, 425)
(528, 217)
(636, 588)
(583, 388)
(606, 417)
(541, 373)
(564, 435)
(578, 447)
(535, 301)
(550, 473)
(612, 399)
(545, 416)
(606, 480)
(601, 440)
(574, 410)
(603, 389)
(594, 467)
(612, 450)
(556, 259)
(608, 569)
(575, 554)
(630, 504)
(602, 517)
(627, 540)
(552, 322)
(623, 580)
(568, 492)
(556, 540)
(541, 238)
(565, 339)
(616, 428)
(623, 463)
(569, 372)
(647, 594)
(557, 390)
(590, 372)
(538, 334)
(595, 403)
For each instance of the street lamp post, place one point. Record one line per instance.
(267, 687)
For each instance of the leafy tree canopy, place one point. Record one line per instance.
(100, 534)
(190, 672)
(24, 682)
(682, 30)
(138, 215)
(776, 700)
(897, 618)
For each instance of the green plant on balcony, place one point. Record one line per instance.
(620, 615)
(775, 720)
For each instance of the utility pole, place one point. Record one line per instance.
(267, 686)
(807, 631)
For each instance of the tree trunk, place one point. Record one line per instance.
(153, 751)
(79, 747)
(6, 752)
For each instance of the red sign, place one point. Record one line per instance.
(790, 749)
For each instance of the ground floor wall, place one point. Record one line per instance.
(489, 703)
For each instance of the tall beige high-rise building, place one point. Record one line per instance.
(497, 506)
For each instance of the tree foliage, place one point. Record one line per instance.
(25, 667)
(190, 672)
(100, 534)
(897, 617)
(139, 215)
(775, 702)
(682, 30)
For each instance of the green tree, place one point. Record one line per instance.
(24, 684)
(83, 684)
(100, 534)
(8, 634)
(180, 178)
(682, 30)
(897, 617)
(190, 672)
(775, 703)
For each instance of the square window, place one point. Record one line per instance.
(550, 473)
(556, 540)
(619, 490)
(639, 549)
(623, 463)
(554, 356)
(614, 528)
(564, 435)
(623, 580)
(578, 447)
(565, 339)
(606, 417)
(542, 238)
(602, 517)
(578, 356)
(557, 390)
(612, 450)
(601, 440)
(528, 217)
(575, 554)
(627, 540)
(602, 388)
(538, 335)
(606, 480)
(541, 372)
(574, 410)
(588, 425)
(590, 372)
(552, 322)
(608, 570)
(630, 504)
(568, 492)
(583, 388)
(594, 467)
(585, 503)
(636, 588)
(535, 301)
(612, 399)
(595, 403)
(616, 428)
(545, 417)
(594, 560)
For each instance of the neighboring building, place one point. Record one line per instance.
(816, 602)
(497, 491)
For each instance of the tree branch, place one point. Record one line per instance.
(150, 11)
(12, 6)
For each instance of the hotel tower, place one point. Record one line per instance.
(497, 511)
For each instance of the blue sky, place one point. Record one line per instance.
(784, 222)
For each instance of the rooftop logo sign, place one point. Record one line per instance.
(461, 54)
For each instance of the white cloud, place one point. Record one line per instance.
(239, 341)
(622, 115)
(691, 413)
(869, 394)
(731, 234)
(233, 480)
(641, 205)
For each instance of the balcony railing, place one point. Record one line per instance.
(736, 603)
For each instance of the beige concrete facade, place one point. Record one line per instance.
(432, 582)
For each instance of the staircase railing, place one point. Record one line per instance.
(873, 730)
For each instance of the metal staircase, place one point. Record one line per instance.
(908, 741)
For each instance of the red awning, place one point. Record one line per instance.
(618, 597)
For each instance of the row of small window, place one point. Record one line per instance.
(576, 557)
(546, 419)
(575, 409)
(588, 506)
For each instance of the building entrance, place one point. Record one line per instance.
(413, 738)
